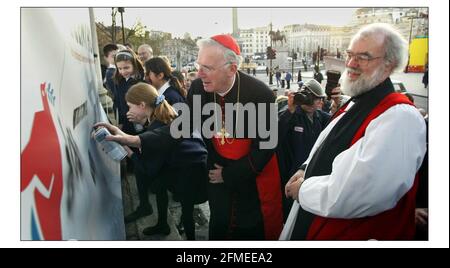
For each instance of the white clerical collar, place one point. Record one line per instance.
(226, 92)
(163, 89)
(349, 106)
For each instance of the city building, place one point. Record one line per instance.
(306, 38)
(180, 51)
(254, 41)
(411, 22)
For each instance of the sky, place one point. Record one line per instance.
(209, 21)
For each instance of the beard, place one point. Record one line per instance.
(364, 82)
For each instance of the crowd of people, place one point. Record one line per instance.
(348, 162)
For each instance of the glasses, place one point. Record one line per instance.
(207, 69)
(362, 58)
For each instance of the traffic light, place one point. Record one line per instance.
(295, 56)
(314, 56)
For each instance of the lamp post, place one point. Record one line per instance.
(121, 11)
(178, 60)
(270, 60)
(113, 25)
(293, 59)
(318, 58)
(409, 39)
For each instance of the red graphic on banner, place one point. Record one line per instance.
(41, 165)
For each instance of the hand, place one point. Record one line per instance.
(336, 95)
(132, 117)
(293, 185)
(421, 216)
(215, 175)
(291, 105)
(336, 99)
(112, 129)
(119, 136)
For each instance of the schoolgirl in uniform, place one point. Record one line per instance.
(175, 164)
(129, 71)
(159, 74)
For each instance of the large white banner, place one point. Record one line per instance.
(69, 188)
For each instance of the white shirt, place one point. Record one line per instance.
(374, 173)
(164, 87)
(226, 92)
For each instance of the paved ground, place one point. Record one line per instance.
(134, 230)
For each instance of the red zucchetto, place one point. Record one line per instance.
(227, 41)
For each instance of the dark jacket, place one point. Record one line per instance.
(109, 82)
(173, 96)
(165, 159)
(120, 103)
(239, 175)
(297, 135)
(318, 77)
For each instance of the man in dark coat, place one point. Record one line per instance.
(244, 200)
(299, 127)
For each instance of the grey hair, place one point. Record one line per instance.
(228, 54)
(147, 47)
(395, 45)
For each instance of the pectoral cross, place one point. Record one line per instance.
(223, 134)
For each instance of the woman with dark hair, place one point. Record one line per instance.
(159, 75)
(129, 71)
(179, 75)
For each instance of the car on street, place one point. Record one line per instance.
(261, 68)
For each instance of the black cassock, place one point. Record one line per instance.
(248, 204)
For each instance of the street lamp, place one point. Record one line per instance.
(121, 11)
(270, 60)
(113, 25)
(178, 60)
(293, 59)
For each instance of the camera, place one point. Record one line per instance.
(332, 81)
(303, 97)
